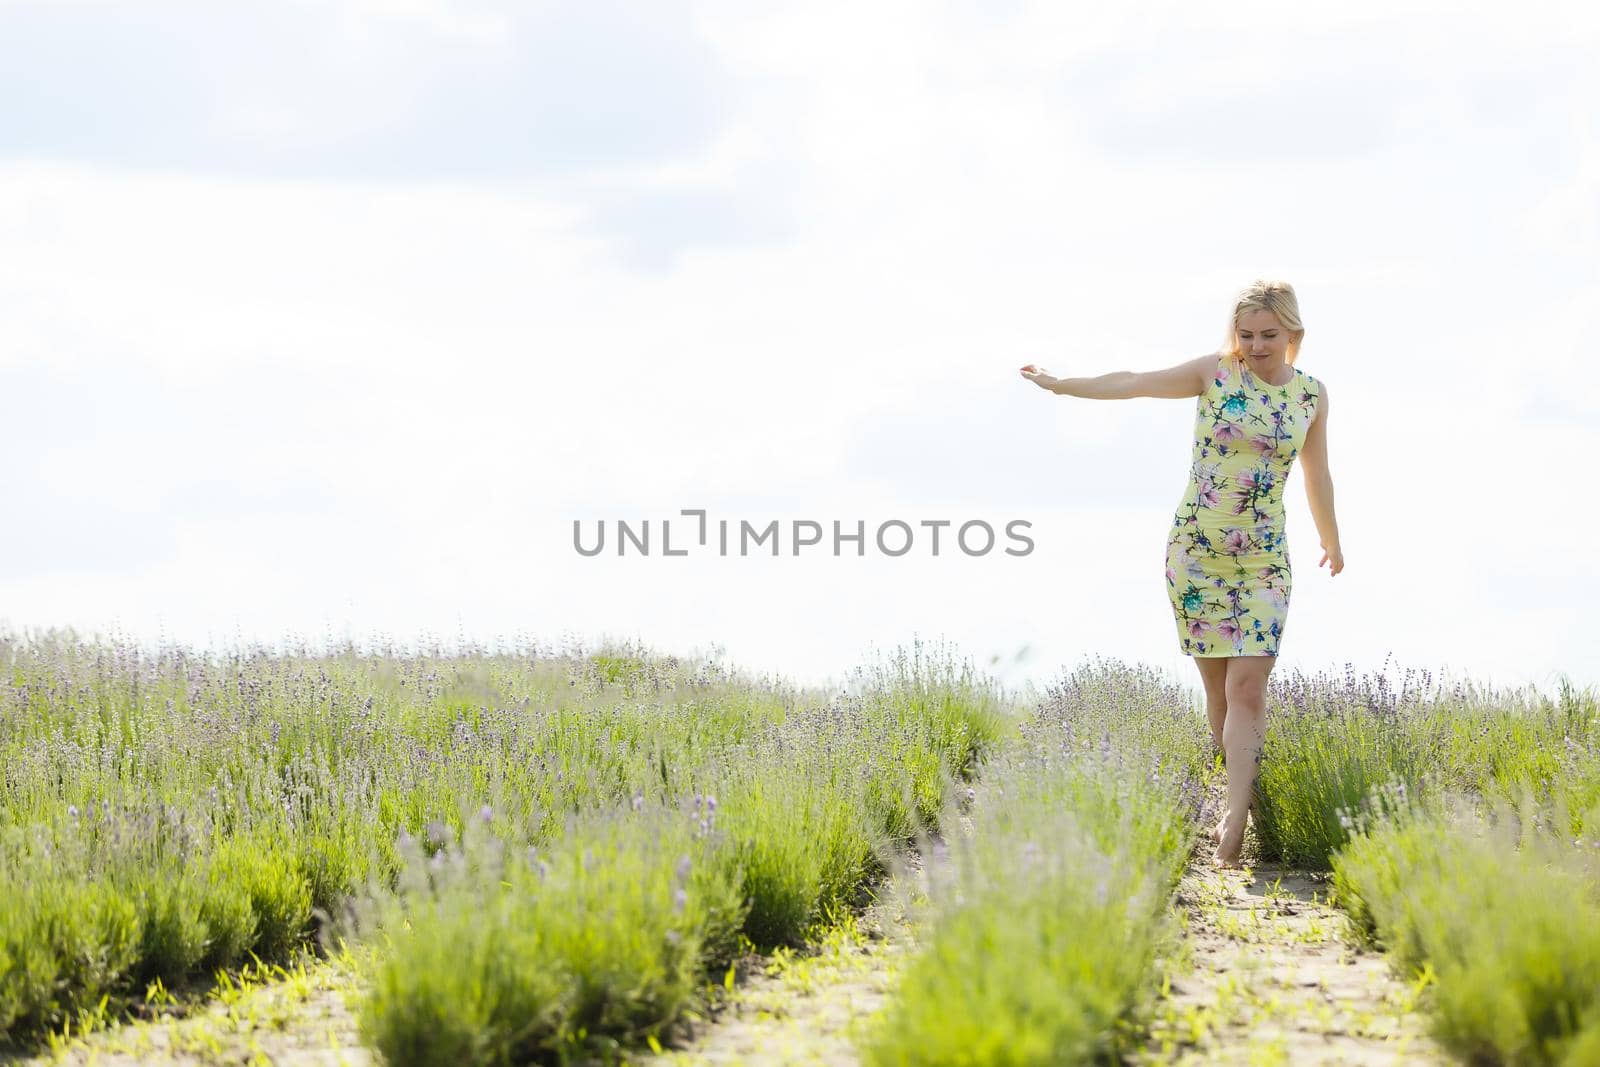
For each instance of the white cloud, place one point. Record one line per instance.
(380, 403)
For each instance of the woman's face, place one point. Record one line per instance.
(1262, 338)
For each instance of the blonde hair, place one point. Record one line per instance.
(1263, 295)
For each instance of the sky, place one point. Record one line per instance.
(327, 320)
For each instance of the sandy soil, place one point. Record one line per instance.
(811, 1008)
(1267, 977)
(295, 1015)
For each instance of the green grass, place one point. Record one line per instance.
(1502, 914)
(1461, 828)
(551, 855)
(1048, 922)
(496, 956)
(1332, 743)
(164, 817)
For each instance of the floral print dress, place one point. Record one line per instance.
(1228, 573)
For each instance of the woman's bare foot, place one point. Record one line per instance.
(1230, 842)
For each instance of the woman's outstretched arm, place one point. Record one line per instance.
(1173, 383)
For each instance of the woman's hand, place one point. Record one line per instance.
(1038, 376)
(1334, 557)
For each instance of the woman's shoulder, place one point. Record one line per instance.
(1222, 367)
(1313, 394)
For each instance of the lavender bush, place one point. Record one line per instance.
(1333, 741)
(165, 814)
(1049, 916)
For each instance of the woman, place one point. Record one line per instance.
(1228, 575)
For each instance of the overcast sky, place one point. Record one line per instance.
(328, 318)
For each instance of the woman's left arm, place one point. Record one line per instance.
(1319, 486)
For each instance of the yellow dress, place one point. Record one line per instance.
(1228, 573)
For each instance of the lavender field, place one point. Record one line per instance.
(609, 855)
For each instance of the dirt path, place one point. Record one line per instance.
(802, 1010)
(296, 1015)
(1266, 977)
(811, 1009)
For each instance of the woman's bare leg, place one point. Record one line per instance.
(1214, 675)
(1243, 737)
